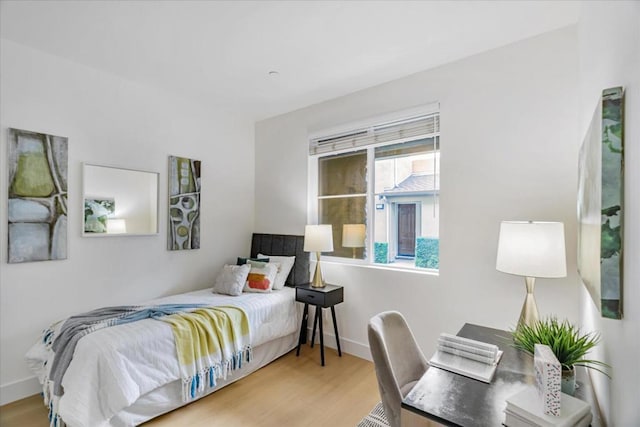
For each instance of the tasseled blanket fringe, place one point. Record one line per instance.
(47, 337)
(54, 418)
(206, 378)
(51, 403)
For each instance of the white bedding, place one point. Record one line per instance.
(113, 367)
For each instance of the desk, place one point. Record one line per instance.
(455, 400)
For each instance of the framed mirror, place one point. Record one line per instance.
(119, 201)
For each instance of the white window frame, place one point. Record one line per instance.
(313, 161)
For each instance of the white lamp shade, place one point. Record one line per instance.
(532, 249)
(318, 238)
(116, 226)
(353, 235)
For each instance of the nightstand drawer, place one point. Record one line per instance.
(324, 297)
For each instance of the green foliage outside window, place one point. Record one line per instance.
(427, 253)
(381, 252)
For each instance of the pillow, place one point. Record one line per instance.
(231, 279)
(261, 277)
(243, 261)
(286, 264)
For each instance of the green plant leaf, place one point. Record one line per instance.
(566, 341)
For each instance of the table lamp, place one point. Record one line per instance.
(318, 238)
(353, 236)
(531, 249)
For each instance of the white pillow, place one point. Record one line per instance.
(231, 279)
(286, 264)
(261, 277)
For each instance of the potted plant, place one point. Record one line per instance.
(566, 341)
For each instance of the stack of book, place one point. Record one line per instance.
(524, 409)
(464, 356)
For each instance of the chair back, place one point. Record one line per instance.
(398, 361)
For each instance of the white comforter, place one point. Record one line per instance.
(113, 367)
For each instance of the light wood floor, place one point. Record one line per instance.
(291, 391)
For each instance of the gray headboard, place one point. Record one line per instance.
(284, 245)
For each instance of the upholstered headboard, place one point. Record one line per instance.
(284, 245)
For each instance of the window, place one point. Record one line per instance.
(385, 180)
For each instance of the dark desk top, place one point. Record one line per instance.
(456, 400)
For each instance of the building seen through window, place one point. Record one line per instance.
(382, 199)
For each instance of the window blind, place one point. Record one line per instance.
(416, 146)
(415, 127)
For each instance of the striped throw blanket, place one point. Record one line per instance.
(211, 342)
(75, 327)
(62, 338)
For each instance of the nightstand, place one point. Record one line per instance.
(326, 297)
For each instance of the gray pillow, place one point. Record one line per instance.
(231, 279)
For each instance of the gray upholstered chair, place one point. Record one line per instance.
(398, 360)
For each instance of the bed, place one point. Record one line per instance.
(127, 374)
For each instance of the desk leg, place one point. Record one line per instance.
(335, 329)
(315, 324)
(319, 310)
(303, 328)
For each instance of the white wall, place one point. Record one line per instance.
(509, 152)
(609, 46)
(115, 122)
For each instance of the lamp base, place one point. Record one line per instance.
(318, 281)
(529, 314)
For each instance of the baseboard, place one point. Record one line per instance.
(355, 348)
(346, 345)
(16, 390)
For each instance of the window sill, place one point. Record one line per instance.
(388, 267)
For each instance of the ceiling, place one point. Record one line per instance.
(222, 51)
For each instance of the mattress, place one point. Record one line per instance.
(114, 367)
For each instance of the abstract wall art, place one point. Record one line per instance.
(600, 204)
(37, 205)
(184, 204)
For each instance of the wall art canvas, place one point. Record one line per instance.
(600, 204)
(96, 213)
(184, 204)
(37, 205)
